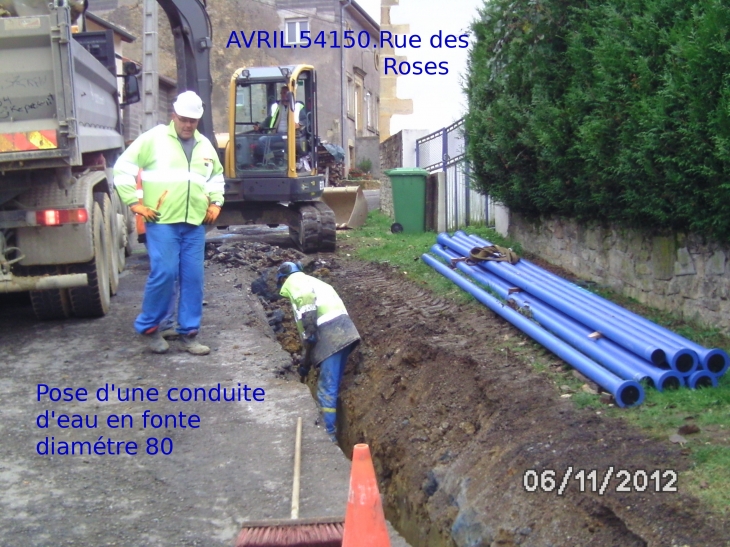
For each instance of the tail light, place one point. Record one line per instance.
(57, 217)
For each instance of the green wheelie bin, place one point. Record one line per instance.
(409, 199)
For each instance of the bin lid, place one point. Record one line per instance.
(406, 171)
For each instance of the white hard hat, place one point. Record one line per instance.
(189, 105)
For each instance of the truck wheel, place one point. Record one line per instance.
(119, 233)
(110, 216)
(131, 225)
(93, 300)
(52, 304)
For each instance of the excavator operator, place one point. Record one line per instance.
(277, 124)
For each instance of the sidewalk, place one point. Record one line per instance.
(236, 466)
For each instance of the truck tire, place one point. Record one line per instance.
(52, 304)
(93, 300)
(131, 230)
(110, 231)
(119, 232)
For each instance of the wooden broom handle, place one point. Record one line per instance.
(297, 468)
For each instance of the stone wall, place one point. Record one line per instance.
(684, 274)
(391, 156)
(369, 148)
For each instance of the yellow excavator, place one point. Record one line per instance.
(270, 159)
(270, 168)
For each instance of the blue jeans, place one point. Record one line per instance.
(168, 322)
(328, 387)
(175, 251)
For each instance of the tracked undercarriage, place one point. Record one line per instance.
(311, 223)
(314, 228)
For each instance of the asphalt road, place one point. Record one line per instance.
(236, 465)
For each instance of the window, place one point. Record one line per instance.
(358, 108)
(350, 97)
(369, 109)
(294, 28)
(376, 114)
(358, 111)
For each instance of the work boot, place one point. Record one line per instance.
(170, 334)
(156, 342)
(191, 345)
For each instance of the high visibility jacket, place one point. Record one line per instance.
(335, 329)
(180, 190)
(277, 108)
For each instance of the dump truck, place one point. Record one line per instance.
(65, 234)
(64, 230)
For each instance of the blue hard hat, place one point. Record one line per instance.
(286, 269)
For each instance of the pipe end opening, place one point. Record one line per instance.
(704, 381)
(630, 396)
(671, 382)
(685, 363)
(716, 363)
(658, 357)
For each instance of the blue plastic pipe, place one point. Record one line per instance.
(701, 378)
(626, 392)
(681, 359)
(612, 356)
(714, 360)
(650, 352)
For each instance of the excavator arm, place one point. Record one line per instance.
(193, 35)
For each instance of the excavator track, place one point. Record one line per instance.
(316, 229)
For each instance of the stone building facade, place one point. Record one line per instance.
(348, 80)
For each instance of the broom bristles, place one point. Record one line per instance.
(291, 535)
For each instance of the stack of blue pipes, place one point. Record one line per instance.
(617, 349)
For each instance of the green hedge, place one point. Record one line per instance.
(604, 110)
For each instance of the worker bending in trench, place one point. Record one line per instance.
(328, 334)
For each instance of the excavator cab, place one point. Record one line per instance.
(270, 157)
(273, 133)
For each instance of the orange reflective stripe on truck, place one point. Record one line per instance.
(30, 140)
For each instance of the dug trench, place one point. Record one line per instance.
(457, 417)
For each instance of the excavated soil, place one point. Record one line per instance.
(455, 416)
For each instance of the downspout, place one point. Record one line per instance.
(343, 87)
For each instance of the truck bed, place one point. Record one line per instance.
(57, 101)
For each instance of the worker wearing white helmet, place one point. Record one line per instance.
(182, 189)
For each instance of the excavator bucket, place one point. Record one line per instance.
(348, 204)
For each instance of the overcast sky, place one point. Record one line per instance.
(437, 100)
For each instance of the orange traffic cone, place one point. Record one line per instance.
(364, 519)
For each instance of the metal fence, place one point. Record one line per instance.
(444, 150)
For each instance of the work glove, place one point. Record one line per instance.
(303, 371)
(211, 214)
(149, 214)
(305, 363)
(309, 322)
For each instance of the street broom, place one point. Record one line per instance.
(293, 532)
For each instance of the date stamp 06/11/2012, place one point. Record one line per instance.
(639, 480)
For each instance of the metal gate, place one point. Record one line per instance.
(445, 150)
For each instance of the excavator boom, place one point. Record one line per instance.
(193, 35)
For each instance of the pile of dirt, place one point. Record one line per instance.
(456, 418)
